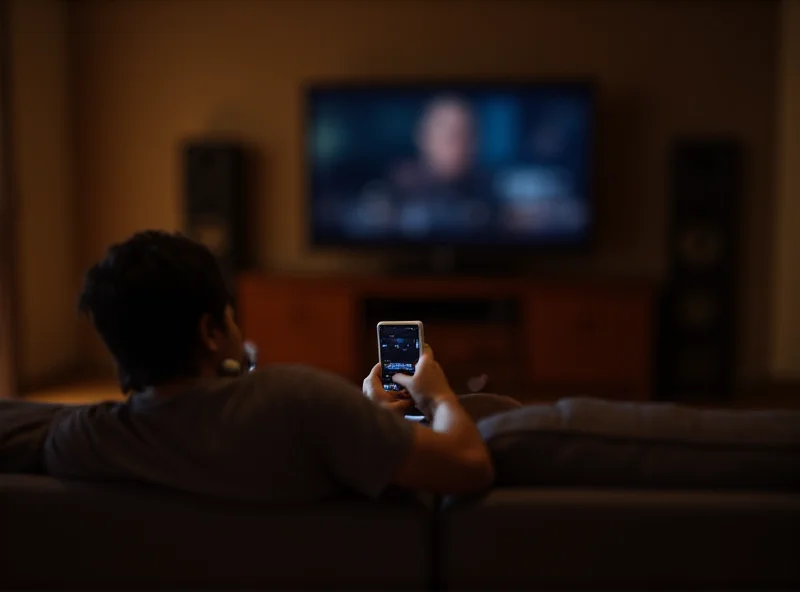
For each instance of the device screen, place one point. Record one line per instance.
(400, 351)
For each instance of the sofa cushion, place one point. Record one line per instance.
(483, 405)
(23, 429)
(590, 442)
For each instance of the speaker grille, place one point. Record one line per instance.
(216, 201)
(697, 344)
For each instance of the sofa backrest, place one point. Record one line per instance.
(60, 534)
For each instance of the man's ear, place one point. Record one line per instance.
(208, 333)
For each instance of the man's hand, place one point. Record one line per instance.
(428, 386)
(397, 401)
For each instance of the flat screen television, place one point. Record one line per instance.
(478, 165)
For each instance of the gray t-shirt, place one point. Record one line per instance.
(279, 434)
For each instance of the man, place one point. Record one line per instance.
(444, 190)
(279, 434)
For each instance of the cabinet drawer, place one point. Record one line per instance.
(583, 339)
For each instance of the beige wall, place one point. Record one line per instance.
(151, 73)
(786, 307)
(43, 169)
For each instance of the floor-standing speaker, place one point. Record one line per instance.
(697, 332)
(215, 191)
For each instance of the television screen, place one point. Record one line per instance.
(450, 165)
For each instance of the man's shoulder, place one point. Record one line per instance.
(295, 382)
(276, 374)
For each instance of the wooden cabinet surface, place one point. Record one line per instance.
(580, 340)
(300, 322)
(569, 338)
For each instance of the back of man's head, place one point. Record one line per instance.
(146, 298)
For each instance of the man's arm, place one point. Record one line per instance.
(450, 456)
(368, 447)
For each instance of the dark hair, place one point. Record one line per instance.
(146, 299)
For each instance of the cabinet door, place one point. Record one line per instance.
(591, 338)
(300, 321)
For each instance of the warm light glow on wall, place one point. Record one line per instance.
(786, 314)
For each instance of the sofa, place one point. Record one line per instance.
(589, 496)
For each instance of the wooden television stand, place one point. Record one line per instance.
(536, 340)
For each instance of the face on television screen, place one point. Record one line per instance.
(482, 165)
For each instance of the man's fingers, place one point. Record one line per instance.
(375, 373)
(401, 405)
(426, 357)
(402, 379)
(373, 383)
